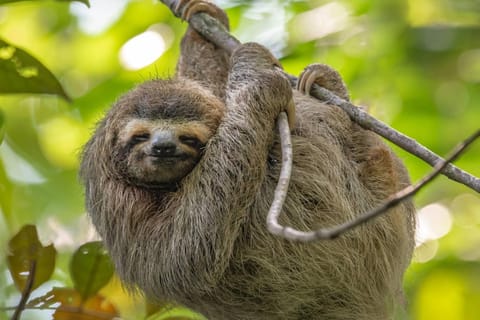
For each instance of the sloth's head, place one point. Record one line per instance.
(162, 151)
(156, 133)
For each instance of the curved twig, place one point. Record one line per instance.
(333, 232)
(214, 31)
(284, 179)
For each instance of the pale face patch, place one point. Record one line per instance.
(147, 167)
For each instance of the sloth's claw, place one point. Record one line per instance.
(290, 110)
(187, 8)
(324, 76)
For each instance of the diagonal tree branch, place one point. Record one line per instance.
(368, 122)
(333, 232)
(214, 31)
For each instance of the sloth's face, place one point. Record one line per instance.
(160, 153)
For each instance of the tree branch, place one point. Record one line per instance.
(215, 32)
(333, 232)
(368, 122)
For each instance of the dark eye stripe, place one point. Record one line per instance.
(191, 141)
(140, 137)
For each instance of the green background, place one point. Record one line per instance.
(414, 64)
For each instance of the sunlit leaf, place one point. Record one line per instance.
(91, 268)
(22, 73)
(70, 305)
(24, 249)
(176, 313)
(86, 2)
(5, 193)
(152, 308)
(2, 129)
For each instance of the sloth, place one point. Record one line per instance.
(180, 174)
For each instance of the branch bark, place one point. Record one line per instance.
(333, 232)
(368, 122)
(214, 31)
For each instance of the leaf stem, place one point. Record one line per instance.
(26, 291)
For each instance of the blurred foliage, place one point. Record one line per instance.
(70, 305)
(22, 73)
(31, 264)
(91, 268)
(415, 64)
(25, 252)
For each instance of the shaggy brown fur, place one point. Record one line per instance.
(204, 243)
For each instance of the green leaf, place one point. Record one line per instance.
(69, 305)
(86, 2)
(22, 73)
(91, 268)
(24, 250)
(177, 313)
(2, 129)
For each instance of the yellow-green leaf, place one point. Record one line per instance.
(24, 250)
(176, 313)
(22, 73)
(70, 305)
(90, 268)
(2, 130)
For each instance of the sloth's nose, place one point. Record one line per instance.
(163, 144)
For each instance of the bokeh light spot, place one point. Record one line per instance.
(433, 222)
(18, 169)
(469, 66)
(465, 207)
(320, 22)
(100, 16)
(142, 50)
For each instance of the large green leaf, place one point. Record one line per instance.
(22, 73)
(91, 268)
(25, 250)
(87, 3)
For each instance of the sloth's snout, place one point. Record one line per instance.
(163, 144)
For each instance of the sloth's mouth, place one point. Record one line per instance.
(170, 159)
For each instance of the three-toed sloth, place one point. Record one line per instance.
(180, 174)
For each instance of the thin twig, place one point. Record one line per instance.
(214, 31)
(284, 179)
(26, 291)
(368, 122)
(395, 199)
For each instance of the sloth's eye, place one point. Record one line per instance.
(190, 141)
(140, 137)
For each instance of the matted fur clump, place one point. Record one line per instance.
(200, 238)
